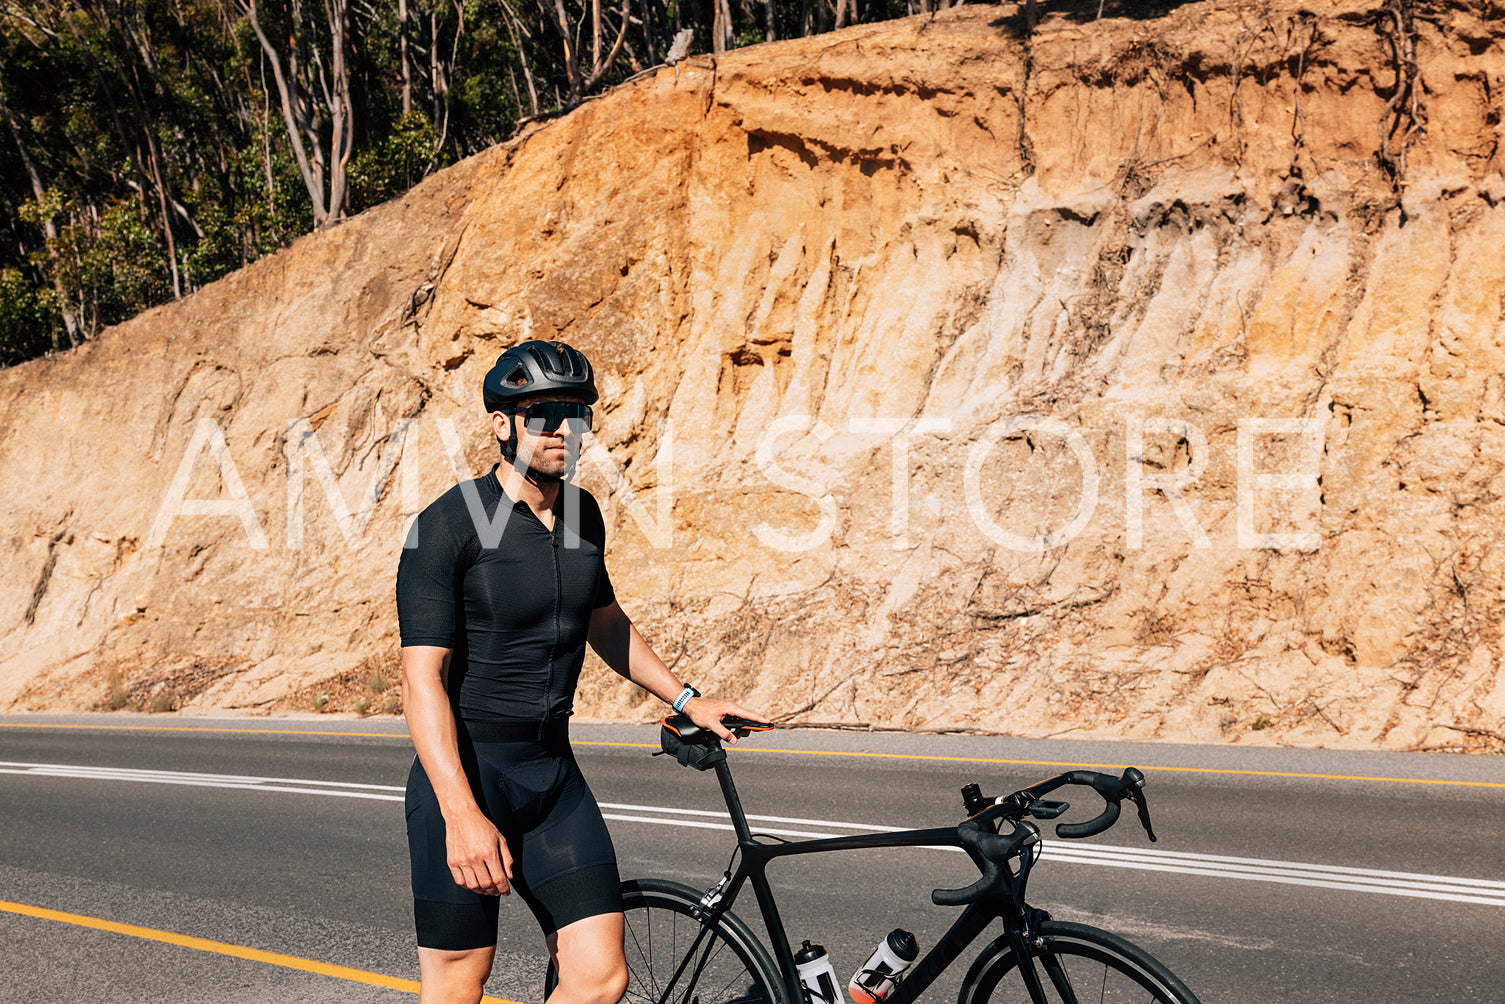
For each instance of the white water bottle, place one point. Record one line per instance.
(881, 971)
(817, 975)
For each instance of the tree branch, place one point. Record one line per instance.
(599, 71)
(315, 190)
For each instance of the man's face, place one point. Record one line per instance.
(546, 444)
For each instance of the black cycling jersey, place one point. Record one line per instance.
(512, 599)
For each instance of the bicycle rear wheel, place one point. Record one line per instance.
(1077, 965)
(728, 965)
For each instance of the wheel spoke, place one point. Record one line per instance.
(672, 958)
(1084, 966)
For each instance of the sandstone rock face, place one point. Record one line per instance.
(1127, 377)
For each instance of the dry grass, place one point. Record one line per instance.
(371, 688)
(162, 686)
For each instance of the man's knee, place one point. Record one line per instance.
(599, 985)
(589, 958)
(453, 977)
(611, 983)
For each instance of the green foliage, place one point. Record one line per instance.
(29, 321)
(110, 267)
(402, 159)
(156, 133)
(118, 696)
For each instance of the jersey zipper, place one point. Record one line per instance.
(548, 694)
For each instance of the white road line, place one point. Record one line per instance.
(698, 825)
(1415, 884)
(1395, 890)
(332, 789)
(721, 814)
(128, 773)
(1192, 863)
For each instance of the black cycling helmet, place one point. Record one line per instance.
(537, 367)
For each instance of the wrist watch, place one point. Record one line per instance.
(684, 698)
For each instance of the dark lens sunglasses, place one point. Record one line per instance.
(546, 416)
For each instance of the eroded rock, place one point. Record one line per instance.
(1113, 378)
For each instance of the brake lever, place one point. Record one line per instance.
(1135, 791)
(1144, 814)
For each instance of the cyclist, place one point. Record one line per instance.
(500, 586)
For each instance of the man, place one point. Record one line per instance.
(500, 586)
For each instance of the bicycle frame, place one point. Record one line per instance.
(752, 864)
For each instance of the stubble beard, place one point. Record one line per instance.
(543, 467)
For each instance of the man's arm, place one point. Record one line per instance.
(617, 641)
(477, 854)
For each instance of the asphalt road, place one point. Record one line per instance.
(1280, 874)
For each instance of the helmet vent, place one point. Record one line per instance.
(537, 367)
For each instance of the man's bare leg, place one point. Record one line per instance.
(456, 977)
(588, 957)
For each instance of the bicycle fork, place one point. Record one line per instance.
(1025, 941)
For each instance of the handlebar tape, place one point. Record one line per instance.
(1105, 819)
(995, 849)
(1114, 790)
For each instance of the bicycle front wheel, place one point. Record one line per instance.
(674, 959)
(1076, 964)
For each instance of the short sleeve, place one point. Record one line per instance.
(605, 594)
(593, 529)
(426, 584)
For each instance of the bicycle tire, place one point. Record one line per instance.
(660, 927)
(1098, 967)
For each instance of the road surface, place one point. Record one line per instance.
(165, 859)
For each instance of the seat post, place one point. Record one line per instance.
(733, 802)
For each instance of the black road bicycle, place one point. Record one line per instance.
(685, 946)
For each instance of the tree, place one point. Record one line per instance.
(312, 95)
(152, 146)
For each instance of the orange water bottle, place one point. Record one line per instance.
(883, 968)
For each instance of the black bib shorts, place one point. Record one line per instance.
(563, 863)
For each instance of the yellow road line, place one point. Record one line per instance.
(1115, 767)
(201, 728)
(221, 948)
(876, 756)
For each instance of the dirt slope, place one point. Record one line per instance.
(1133, 377)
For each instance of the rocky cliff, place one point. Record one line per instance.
(1141, 377)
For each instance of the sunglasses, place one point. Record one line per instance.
(546, 416)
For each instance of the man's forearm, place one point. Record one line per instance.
(431, 724)
(647, 670)
(620, 645)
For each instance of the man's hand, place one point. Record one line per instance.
(707, 712)
(477, 854)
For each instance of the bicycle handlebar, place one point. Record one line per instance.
(1103, 820)
(995, 850)
(1114, 790)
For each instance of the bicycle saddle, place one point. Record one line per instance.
(698, 747)
(689, 732)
